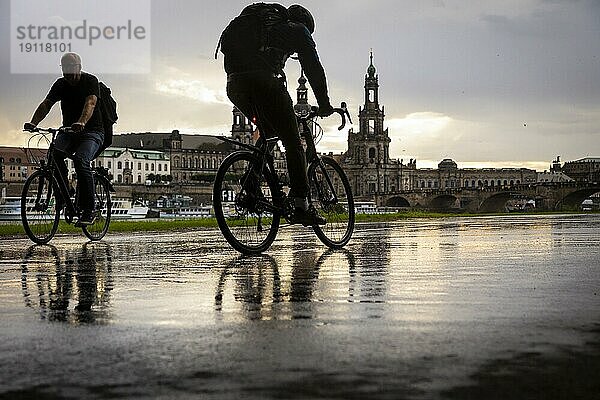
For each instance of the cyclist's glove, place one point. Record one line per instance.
(325, 110)
(29, 127)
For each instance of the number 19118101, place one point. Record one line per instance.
(35, 47)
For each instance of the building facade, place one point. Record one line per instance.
(192, 158)
(583, 170)
(17, 163)
(135, 166)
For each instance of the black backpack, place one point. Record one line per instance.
(248, 32)
(108, 109)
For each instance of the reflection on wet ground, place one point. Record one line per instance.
(50, 283)
(492, 307)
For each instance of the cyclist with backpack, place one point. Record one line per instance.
(256, 45)
(79, 95)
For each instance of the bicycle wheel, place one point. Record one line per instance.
(331, 195)
(243, 204)
(102, 209)
(38, 207)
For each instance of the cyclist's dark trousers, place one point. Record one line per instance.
(81, 147)
(264, 96)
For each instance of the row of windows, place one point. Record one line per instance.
(196, 163)
(11, 160)
(129, 165)
(372, 153)
(472, 183)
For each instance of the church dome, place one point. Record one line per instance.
(447, 164)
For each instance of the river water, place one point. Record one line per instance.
(422, 308)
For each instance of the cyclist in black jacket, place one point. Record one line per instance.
(256, 85)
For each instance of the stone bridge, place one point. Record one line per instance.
(548, 197)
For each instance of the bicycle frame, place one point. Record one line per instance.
(49, 166)
(263, 150)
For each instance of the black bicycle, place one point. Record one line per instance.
(39, 212)
(249, 196)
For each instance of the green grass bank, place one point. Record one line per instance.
(157, 225)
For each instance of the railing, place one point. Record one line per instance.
(502, 188)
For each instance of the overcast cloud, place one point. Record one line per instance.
(485, 83)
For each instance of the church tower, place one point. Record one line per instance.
(241, 129)
(302, 107)
(371, 144)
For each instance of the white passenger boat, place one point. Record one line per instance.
(201, 211)
(10, 209)
(126, 209)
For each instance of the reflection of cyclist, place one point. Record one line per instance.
(84, 274)
(78, 93)
(256, 46)
(250, 275)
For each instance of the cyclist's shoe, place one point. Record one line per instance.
(87, 218)
(309, 217)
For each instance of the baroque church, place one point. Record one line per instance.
(373, 173)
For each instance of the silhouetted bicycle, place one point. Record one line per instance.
(249, 197)
(39, 212)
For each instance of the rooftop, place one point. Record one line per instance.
(135, 153)
(158, 141)
(586, 160)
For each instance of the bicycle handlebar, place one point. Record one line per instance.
(65, 129)
(342, 111)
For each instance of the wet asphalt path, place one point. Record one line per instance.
(495, 307)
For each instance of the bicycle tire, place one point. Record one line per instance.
(102, 208)
(249, 221)
(39, 215)
(338, 210)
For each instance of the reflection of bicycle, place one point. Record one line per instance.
(252, 277)
(65, 288)
(39, 211)
(249, 200)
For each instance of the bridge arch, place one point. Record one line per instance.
(443, 202)
(397, 201)
(496, 202)
(573, 200)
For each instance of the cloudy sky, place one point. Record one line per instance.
(487, 83)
